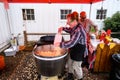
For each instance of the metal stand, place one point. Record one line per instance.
(49, 78)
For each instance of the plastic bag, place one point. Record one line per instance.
(57, 39)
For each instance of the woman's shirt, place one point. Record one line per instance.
(87, 24)
(77, 42)
(77, 35)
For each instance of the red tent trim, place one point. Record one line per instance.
(54, 1)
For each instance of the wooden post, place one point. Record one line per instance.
(25, 38)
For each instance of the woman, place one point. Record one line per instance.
(87, 24)
(76, 46)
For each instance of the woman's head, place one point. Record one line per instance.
(68, 19)
(75, 16)
(73, 19)
(83, 15)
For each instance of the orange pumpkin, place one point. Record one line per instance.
(2, 62)
(21, 48)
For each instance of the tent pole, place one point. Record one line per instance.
(90, 10)
(8, 21)
(101, 11)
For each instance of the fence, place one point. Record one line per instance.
(116, 35)
(33, 34)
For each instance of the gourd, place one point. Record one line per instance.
(2, 62)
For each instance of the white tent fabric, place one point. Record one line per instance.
(4, 27)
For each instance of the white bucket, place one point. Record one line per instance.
(21, 41)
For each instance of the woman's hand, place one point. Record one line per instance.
(57, 44)
(60, 30)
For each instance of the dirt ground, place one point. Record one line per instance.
(23, 67)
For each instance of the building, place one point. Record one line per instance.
(47, 17)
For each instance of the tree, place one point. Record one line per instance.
(113, 23)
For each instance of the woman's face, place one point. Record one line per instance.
(68, 20)
(82, 18)
(72, 23)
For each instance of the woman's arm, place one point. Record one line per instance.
(66, 29)
(74, 40)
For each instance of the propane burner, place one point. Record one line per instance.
(50, 60)
(49, 78)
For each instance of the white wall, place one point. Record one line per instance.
(112, 7)
(47, 16)
(4, 27)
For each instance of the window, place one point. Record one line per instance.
(101, 14)
(64, 12)
(28, 14)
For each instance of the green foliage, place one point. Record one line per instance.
(92, 29)
(113, 23)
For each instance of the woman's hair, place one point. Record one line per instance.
(75, 16)
(83, 14)
(68, 16)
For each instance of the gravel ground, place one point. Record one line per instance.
(23, 67)
(11, 63)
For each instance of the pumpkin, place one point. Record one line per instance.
(21, 48)
(2, 63)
